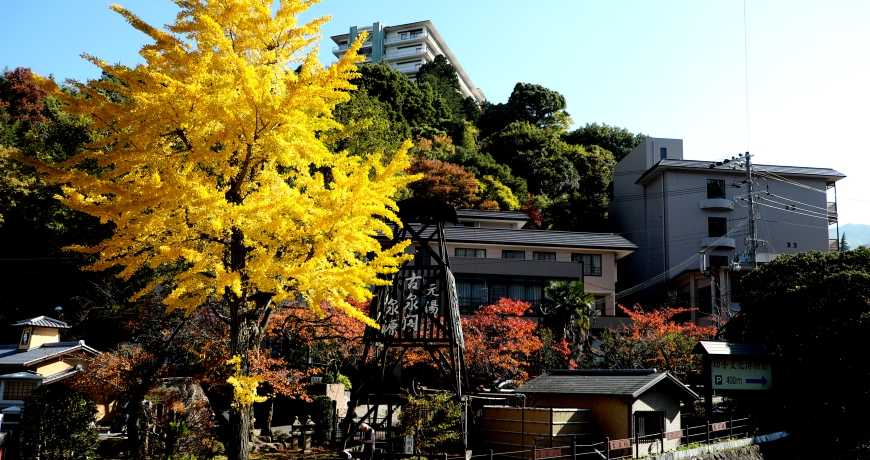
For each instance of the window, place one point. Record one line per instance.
(663, 153)
(718, 261)
(469, 252)
(17, 390)
(591, 263)
(649, 423)
(715, 188)
(540, 255)
(513, 254)
(473, 293)
(717, 226)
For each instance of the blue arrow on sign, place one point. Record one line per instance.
(761, 381)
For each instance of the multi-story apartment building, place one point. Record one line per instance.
(690, 220)
(492, 256)
(406, 47)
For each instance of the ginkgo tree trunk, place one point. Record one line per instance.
(209, 164)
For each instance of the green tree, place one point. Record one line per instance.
(536, 154)
(844, 245)
(812, 312)
(569, 312)
(619, 141)
(530, 103)
(368, 126)
(58, 425)
(434, 420)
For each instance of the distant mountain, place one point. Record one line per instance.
(856, 234)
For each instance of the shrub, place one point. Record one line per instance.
(58, 423)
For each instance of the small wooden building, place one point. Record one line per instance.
(39, 358)
(630, 404)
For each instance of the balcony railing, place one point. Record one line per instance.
(405, 38)
(832, 212)
(717, 204)
(833, 244)
(408, 68)
(516, 267)
(398, 54)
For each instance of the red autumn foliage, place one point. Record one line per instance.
(21, 96)
(656, 339)
(445, 182)
(499, 343)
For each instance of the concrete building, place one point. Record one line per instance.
(492, 256)
(625, 404)
(406, 47)
(690, 221)
(39, 358)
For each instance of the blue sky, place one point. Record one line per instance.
(664, 68)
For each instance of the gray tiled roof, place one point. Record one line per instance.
(526, 237)
(775, 169)
(43, 321)
(495, 215)
(602, 382)
(729, 348)
(10, 356)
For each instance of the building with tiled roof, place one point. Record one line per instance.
(39, 358)
(493, 254)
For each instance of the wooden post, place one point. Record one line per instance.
(574, 447)
(708, 389)
(636, 441)
(535, 448)
(607, 446)
(708, 432)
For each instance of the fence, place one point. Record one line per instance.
(613, 449)
(689, 436)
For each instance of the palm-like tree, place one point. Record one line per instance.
(571, 309)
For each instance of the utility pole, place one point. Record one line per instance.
(753, 236)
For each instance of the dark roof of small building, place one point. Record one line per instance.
(689, 165)
(11, 356)
(714, 348)
(610, 382)
(43, 321)
(525, 237)
(22, 375)
(491, 215)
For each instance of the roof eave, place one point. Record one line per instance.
(80, 347)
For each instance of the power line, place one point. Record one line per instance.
(793, 212)
(794, 208)
(770, 175)
(654, 279)
(800, 202)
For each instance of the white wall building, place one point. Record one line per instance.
(406, 47)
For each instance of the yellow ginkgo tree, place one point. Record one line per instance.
(209, 159)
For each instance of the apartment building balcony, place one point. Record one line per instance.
(833, 244)
(832, 212)
(411, 68)
(713, 242)
(395, 54)
(514, 267)
(406, 38)
(340, 49)
(717, 204)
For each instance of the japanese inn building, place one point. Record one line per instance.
(493, 255)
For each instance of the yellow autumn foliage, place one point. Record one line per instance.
(210, 154)
(244, 386)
